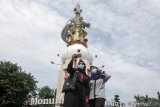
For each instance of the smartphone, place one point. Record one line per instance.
(78, 55)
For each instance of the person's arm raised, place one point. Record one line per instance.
(72, 65)
(105, 76)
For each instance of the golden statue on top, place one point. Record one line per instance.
(74, 31)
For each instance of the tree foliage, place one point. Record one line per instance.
(117, 100)
(47, 92)
(15, 84)
(151, 102)
(158, 95)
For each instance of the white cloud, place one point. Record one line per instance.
(29, 36)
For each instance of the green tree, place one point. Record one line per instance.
(15, 85)
(47, 92)
(137, 98)
(151, 102)
(158, 95)
(117, 100)
(146, 99)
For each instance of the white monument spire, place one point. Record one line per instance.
(75, 36)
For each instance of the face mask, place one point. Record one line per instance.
(81, 66)
(93, 71)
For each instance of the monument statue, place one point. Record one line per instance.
(74, 31)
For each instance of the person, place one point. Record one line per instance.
(97, 87)
(77, 97)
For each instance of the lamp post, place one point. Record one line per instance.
(54, 63)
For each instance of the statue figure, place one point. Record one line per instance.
(74, 31)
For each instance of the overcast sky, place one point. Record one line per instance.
(125, 34)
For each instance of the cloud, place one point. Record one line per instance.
(30, 36)
(123, 33)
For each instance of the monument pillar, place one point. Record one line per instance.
(75, 36)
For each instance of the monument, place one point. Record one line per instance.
(75, 36)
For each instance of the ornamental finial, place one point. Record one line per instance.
(77, 10)
(74, 31)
